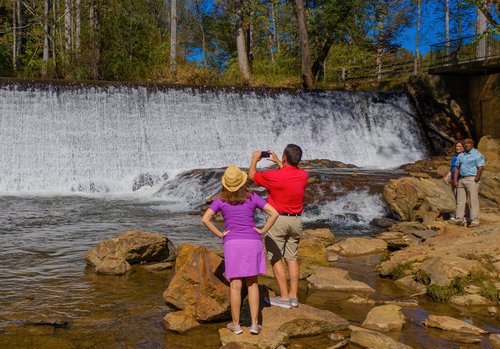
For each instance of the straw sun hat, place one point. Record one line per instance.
(234, 178)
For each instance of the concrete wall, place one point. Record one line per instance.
(479, 96)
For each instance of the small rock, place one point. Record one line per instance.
(470, 299)
(382, 222)
(406, 304)
(472, 289)
(332, 257)
(493, 310)
(425, 234)
(384, 318)
(361, 300)
(159, 266)
(494, 341)
(180, 321)
(374, 340)
(409, 283)
(451, 324)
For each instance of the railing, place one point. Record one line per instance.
(466, 50)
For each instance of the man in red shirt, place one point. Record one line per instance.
(286, 188)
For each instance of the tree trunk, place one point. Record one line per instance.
(481, 28)
(203, 35)
(276, 41)
(447, 20)
(417, 39)
(380, 50)
(318, 68)
(54, 36)
(46, 41)
(94, 39)
(173, 37)
(67, 33)
(14, 36)
(307, 78)
(250, 30)
(18, 33)
(78, 29)
(240, 43)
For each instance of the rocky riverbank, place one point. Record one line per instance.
(420, 283)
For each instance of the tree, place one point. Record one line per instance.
(307, 77)
(173, 37)
(240, 42)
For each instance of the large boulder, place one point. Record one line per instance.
(490, 148)
(385, 318)
(278, 325)
(374, 340)
(411, 198)
(115, 255)
(334, 279)
(312, 255)
(199, 285)
(447, 323)
(443, 269)
(352, 247)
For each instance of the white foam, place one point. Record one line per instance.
(99, 140)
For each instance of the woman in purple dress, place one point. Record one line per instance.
(243, 249)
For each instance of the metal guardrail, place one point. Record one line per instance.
(465, 50)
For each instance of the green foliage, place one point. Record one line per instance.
(399, 270)
(422, 277)
(131, 41)
(485, 283)
(444, 293)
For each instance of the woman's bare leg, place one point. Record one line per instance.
(253, 297)
(235, 300)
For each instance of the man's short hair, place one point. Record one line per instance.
(293, 154)
(468, 140)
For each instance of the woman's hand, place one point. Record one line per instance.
(259, 231)
(224, 233)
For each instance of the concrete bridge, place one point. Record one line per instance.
(469, 68)
(472, 55)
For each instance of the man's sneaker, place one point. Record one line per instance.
(294, 302)
(458, 222)
(235, 329)
(277, 301)
(474, 224)
(255, 329)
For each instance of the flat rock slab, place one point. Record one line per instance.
(334, 279)
(425, 234)
(353, 247)
(447, 323)
(279, 324)
(385, 318)
(374, 340)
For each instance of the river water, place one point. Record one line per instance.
(80, 164)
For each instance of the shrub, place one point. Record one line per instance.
(399, 270)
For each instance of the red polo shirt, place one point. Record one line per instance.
(286, 188)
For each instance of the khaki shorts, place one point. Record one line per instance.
(282, 240)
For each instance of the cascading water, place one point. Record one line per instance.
(102, 139)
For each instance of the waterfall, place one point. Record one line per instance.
(103, 138)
